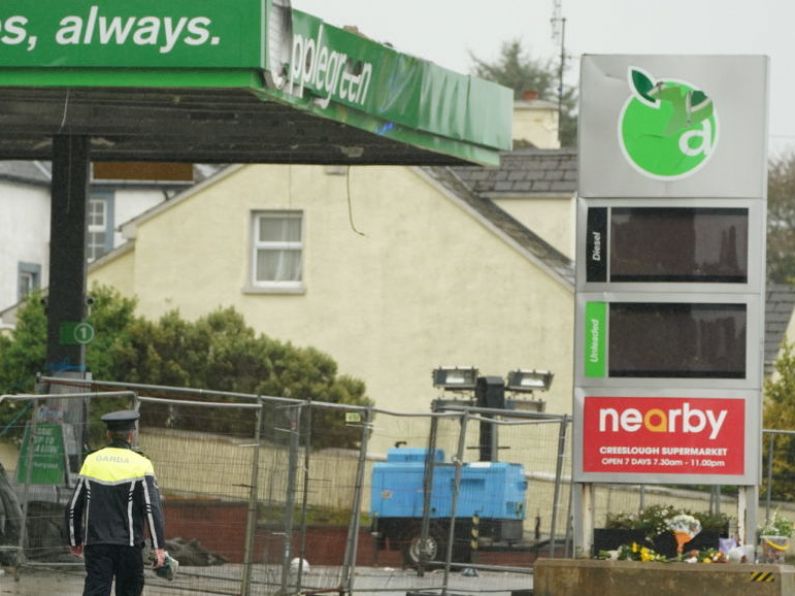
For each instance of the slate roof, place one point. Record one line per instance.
(545, 253)
(525, 171)
(779, 304)
(27, 172)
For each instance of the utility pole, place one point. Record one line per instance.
(558, 22)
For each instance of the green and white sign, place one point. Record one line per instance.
(48, 461)
(668, 129)
(340, 74)
(76, 333)
(144, 33)
(595, 342)
(673, 126)
(261, 47)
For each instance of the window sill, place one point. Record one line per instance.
(274, 289)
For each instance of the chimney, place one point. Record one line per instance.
(535, 122)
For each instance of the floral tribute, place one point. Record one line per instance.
(684, 527)
(656, 520)
(636, 552)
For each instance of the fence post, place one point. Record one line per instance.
(427, 491)
(294, 413)
(564, 424)
(304, 494)
(352, 543)
(769, 496)
(569, 546)
(459, 462)
(23, 530)
(251, 519)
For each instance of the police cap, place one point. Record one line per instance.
(121, 420)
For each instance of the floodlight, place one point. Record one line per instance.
(454, 378)
(522, 380)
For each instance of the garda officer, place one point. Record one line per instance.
(117, 494)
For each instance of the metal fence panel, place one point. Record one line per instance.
(268, 495)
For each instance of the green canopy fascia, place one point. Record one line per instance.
(278, 55)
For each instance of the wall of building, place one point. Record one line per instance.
(425, 284)
(552, 218)
(116, 270)
(536, 122)
(25, 231)
(131, 202)
(25, 234)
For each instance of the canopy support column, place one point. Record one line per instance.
(67, 286)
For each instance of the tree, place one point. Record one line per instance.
(519, 71)
(22, 353)
(218, 352)
(779, 413)
(781, 219)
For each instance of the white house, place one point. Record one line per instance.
(25, 218)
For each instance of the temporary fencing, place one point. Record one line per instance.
(267, 495)
(456, 499)
(778, 475)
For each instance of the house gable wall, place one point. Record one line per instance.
(426, 284)
(552, 218)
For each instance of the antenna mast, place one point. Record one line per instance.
(558, 22)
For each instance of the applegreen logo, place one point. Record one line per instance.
(668, 129)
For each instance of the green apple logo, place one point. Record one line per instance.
(668, 129)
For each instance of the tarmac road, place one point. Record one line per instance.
(368, 581)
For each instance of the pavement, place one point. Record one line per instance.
(67, 580)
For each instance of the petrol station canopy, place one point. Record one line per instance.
(233, 81)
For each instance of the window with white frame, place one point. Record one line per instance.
(99, 239)
(29, 279)
(277, 250)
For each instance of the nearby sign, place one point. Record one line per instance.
(673, 126)
(663, 435)
(145, 33)
(48, 462)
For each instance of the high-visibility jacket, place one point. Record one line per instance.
(118, 494)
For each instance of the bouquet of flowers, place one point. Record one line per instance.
(684, 527)
(636, 552)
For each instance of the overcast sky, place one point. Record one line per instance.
(446, 31)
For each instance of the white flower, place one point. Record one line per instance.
(684, 523)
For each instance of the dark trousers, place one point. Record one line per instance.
(106, 561)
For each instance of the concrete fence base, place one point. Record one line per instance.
(570, 577)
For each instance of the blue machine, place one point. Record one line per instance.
(491, 501)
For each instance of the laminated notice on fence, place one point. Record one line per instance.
(48, 458)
